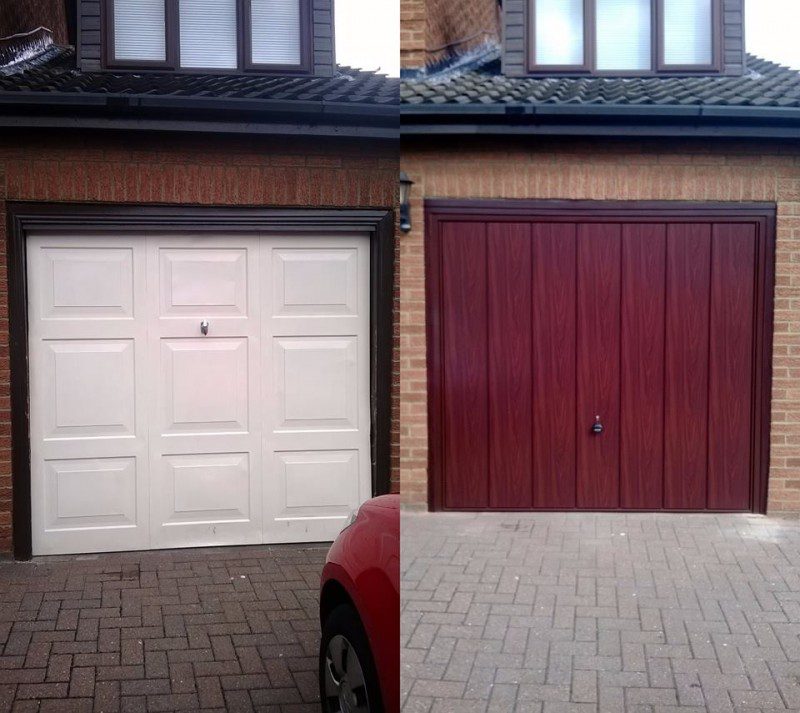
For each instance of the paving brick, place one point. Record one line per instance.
(547, 623)
(112, 633)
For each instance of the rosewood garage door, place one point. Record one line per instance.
(196, 390)
(599, 357)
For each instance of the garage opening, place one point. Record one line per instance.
(598, 356)
(197, 387)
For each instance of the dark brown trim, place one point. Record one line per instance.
(108, 41)
(243, 43)
(93, 218)
(761, 214)
(716, 43)
(306, 42)
(657, 66)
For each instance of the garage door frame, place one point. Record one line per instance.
(24, 218)
(438, 211)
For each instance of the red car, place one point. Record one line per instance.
(359, 609)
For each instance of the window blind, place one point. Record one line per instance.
(140, 31)
(623, 35)
(687, 32)
(275, 31)
(559, 32)
(208, 34)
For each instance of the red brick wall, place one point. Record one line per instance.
(607, 170)
(180, 170)
(432, 30)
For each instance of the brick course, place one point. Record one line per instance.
(159, 169)
(607, 170)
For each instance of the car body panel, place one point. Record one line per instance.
(365, 561)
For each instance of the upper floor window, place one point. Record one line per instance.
(225, 35)
(623, 36)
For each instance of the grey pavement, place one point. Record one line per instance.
(600, 612)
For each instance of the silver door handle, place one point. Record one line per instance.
(204, 326)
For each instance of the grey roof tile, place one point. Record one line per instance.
(764, 84)
(54, 71)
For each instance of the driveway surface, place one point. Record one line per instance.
(588, 612)
(226, 628)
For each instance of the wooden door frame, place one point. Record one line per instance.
(82, 218)
(763, 215)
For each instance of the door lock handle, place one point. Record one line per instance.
(204, 327)
(597, 426)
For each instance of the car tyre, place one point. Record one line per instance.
(348, 679)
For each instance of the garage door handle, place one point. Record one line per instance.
(204, 326)
(597, 427)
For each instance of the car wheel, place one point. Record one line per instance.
(348, 680)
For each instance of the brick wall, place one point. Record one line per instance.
(618, 170)
(181, 170)
(433, 30)
(18, 16)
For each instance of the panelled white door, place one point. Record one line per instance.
(196, 390)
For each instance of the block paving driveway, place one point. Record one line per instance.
(218, 629)
(600, 612)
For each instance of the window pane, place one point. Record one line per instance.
(559, 32)
(276, 31)
(208, 34)
(140, 30)
(623, 35)
(687, 32)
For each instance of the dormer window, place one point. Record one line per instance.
(208, 35)
(621, 37)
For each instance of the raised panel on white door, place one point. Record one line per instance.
(90, 387)
(317, 395)
(90, 494)
(316, 383)
(85, 282)
(206, 488)
(203, 282)
(88, 370)
(206, 385)
(314, 481)
(313, 282)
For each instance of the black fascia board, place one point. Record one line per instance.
(601, 120)
(172, 113)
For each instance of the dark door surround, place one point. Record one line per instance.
(763, 215)
(87, 218)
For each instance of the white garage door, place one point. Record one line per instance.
(194, 390)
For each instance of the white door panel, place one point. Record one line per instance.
(205, 437)
(147, 432)
(88, 350)
(316, 405)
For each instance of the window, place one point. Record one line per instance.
(623, 36)
(559, 33)
(212, 35)
(688, 36)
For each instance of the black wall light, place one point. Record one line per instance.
(405, 206)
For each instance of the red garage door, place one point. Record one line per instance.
(597, 356)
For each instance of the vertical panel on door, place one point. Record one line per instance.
(686, 366)
(205, 445)
(553, 338)
(733, 276)
(642, 367)
(509, 310)
(466, 456)
(316, 404)
(88, 424)
(599, 247)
